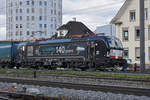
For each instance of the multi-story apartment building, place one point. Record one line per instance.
(127, 23)
(27, 19)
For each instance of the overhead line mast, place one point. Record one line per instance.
(142, 36)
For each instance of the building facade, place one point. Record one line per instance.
(127, 23)
(30, 19)
(108, 30)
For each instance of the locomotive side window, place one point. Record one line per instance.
(110, 41)
(30, 51)
(37, 53)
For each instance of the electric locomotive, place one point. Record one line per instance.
(93, 52)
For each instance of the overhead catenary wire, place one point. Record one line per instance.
(84, 9)
(94, 7)
(103, 6)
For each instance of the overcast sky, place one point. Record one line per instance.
(93, 13)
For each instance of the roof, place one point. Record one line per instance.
(55, 41)
(121, 11)
(75, 28)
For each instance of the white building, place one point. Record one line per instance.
(108, 30)
(29, 19)
(127, 23)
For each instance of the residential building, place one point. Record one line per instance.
(27, 19)
(74, 29)
(108, 30)
(127, 23)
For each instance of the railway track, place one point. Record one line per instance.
(113, 89)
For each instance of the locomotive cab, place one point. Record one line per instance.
(115, 47)
(115, 52)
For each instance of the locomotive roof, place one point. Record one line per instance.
(55, 41)
(23, 43)
(65, 40)
(97, 37)
(70, 40)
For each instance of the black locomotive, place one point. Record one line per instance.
(93, 52)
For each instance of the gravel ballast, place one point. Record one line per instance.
(71, 93)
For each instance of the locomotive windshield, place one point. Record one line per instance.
(114, 43)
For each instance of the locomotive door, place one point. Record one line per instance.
(100, 50)
(21, 53)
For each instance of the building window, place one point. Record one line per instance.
(20, 10)
(45, 33)
(132, 16)
(21, 33)
(32, 32)
(32, 3)
(40, 25)
(16, 33)
(21, 18)
(45, 25)
(145, 14)
(28, 33)
(16, 18)
(16, 11)
(28, 18)
(54, 5)
(16, 25)
(59, 13)
(40, 17)
(32, 10)
(20, 3)
(32, 18)
(137, 53)
(45, 3)
(20, 25)
(125, 35)
(40, 3)
(28, 10)
(149, 32)
(51, 11)
(28, 2)
(55, 12)
(137, 34)
(126, 53)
